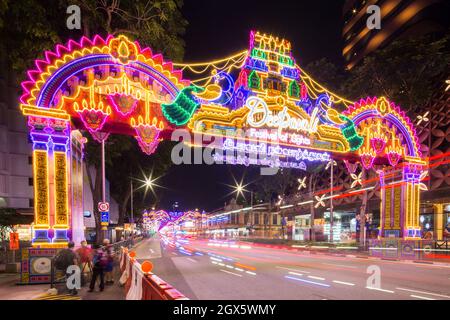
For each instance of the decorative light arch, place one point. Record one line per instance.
(113, 85)
(381, 108)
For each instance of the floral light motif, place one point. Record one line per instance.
(357, 179)
(378, 144)
(423, 186)
(124, 104)
(351, 167)
(93, 115)
(301, 183)
(423, 118)
(320, 201)
(147, 134)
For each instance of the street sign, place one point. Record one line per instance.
(13, 241)
(104, 218)
(103, 206)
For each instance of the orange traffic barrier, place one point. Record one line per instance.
(141, 284)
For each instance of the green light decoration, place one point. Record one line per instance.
(254, 81)
(349, 131)
(183, 107)
(294, 89)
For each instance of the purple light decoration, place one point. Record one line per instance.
(93, 120)
(123, 103)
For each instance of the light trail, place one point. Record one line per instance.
(307, 281)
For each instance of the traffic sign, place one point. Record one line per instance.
(104, 218)
(103, 206)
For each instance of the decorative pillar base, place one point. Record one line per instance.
(61, 236)
(413, 233)
(41, 237)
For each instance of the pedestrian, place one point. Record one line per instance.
(66, 258)
(85, 255)
(99, 261)
(447, 231)
(110, 265)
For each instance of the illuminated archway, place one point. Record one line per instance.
(113, 85)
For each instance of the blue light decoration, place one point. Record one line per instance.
(226, 82)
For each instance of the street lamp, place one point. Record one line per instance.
(147, 183)
(331, 165)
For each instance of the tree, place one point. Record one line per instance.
(143, 166)
(29, 27)
(406, 72)
(327, 74)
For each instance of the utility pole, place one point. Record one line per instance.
(331, 164)
(104, 228)
(131, 212)
(331, 202)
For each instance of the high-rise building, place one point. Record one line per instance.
(16, 179)
(399, 18)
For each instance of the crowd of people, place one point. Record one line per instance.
(96, 263)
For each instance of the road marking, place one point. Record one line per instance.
(297, 270)
(307, 281)
(238, 275)
(239, 269)
(175, 253)
(229, 267)
(316, 278)
(420, 297)
(379, 289)
(190, 259)
(424, 292)
(221, 264)
(295, 273)
(214, 262)
(340, 265)
(344, 283)
(252, 273)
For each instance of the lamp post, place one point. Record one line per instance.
(239, 188)
(331, 165)
(131, 204)
(148, 182)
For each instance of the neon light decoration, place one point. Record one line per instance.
(271, 114)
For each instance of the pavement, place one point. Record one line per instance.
(223, 270)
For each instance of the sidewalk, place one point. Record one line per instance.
(9, 290)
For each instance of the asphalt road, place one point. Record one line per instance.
(202, 269)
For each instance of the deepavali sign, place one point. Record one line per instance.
(269, 114)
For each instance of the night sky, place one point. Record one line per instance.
(219, 28)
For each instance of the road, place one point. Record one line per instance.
(203, 269)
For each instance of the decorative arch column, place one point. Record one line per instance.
(50, 134)
(102, 86)
(391, 148)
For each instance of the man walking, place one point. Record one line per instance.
(100, 262)
(66, 258)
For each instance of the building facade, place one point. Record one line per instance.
(399, 18)
(16, 179)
